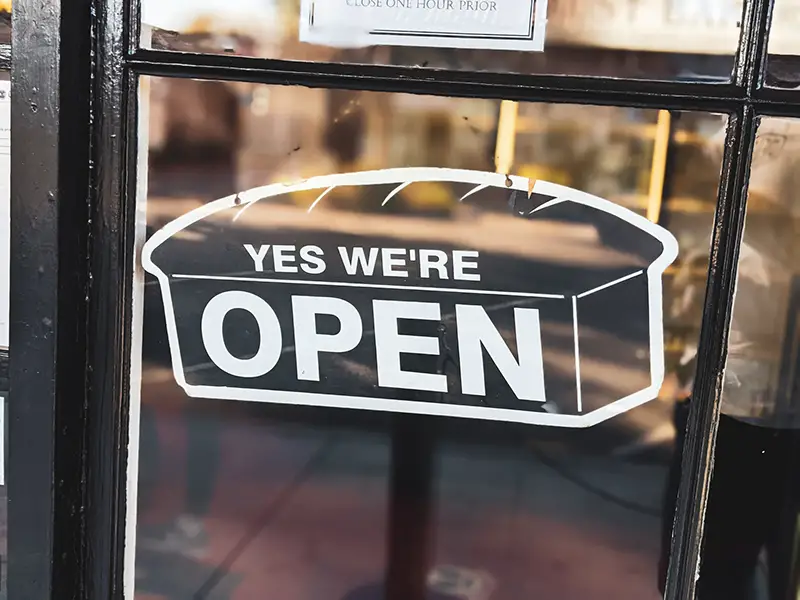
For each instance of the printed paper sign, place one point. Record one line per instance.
(5, 207)
(486, 24)
(525, 312)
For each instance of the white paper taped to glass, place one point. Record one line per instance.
(546, 310)
(5, 207)
(475, 24)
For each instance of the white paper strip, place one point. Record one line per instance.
(477, 24)
(5, 207)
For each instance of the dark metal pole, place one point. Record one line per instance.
(410, 532)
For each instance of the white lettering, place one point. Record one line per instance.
(258, 257)
(460, 263)
(359, 260)
(432, 260)
(281, 256)
(476, 331)
(313, 261)
(269, 328)
(309, 342)
(389, 344)
(392, 259)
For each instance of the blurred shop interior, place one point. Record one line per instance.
(663, 165)
(649, 39)
(5, 21)
(209, 139)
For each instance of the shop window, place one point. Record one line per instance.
(783, 66)
(649, 39)
(751, 526)
(235, 498)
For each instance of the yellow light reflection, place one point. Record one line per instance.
(506, 136)
(659, 167)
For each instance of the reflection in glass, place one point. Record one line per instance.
(5, 22)
(651, 39)
(751, 528)
(240, 499)
(783, 66)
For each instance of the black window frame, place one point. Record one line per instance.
(75, 72)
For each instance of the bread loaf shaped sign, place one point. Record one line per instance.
(418, 290)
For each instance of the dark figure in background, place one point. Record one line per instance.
(752, 506)
(197, 160)
(201, 137)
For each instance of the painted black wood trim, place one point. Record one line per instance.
(743, 99)
(754, 45)
(778, 102)
(109, 298)
(513, 86)
(73, 362)
(698, 450)
(34, 277)
(696, 466)
(679, 95)
(49, 274)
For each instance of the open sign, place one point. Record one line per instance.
(476, 334)
(540, 321)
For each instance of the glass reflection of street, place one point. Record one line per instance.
(243, 501)
(509, 510)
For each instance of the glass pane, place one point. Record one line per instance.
(783, 66)
(652, 39)
(751, 523)
(266, 493)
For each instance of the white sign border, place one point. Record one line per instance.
(404, 176)
(354, 37)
